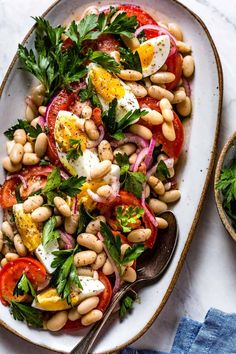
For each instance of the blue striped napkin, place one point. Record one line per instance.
(216, 335)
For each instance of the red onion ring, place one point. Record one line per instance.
(64, 174)
(187, 87)
(115, 185)
(44, 284)
(151, 171)
(130, 138)
(41, 122)
(149, 215)
(148, 159)
(92, 144)
(75, 205)
(169, 162)
(23, 180)
(117, 274)
(68, 240)
(139, 159)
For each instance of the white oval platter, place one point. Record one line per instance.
(194, 168)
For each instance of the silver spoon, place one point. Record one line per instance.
(151, 265)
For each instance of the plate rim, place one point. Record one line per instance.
(197, 215)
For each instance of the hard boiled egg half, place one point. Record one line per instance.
(153, 54)
(108, 87)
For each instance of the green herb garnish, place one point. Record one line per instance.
(130, 60)
(23, 124)
(128, 216)
(126, 305)
(24, 286)
(26, 313)
(49, 232)
(75, 151)
(162, 170)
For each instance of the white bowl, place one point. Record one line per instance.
(194, 172)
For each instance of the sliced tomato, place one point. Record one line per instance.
(35, 178)
(11, 273)
(174, 65)
(143, 17)
(97, 116)
(107, 43)
(61, 102)
(126, 198)
(171, 148)
(105, 299)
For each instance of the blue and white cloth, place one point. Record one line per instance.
(216, 335)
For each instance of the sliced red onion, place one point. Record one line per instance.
(148, 159)
(167, 186)
(29, 101)
(44, 285)
(41, 121)
(151, 171)
(95, 197)
(139, 159)
(92, 144)
(68, 240)
(187, 87)
(64, 174)
(130, 138)
(169, 162)
(75, 205)
(117, 274)
(115, 185)
(149, 215)
(23, 180)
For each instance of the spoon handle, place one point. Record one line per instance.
(87, 342)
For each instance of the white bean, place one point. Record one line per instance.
(41, 214)
(17, 153)
(123, 249)
(100, 261)
(94, 226)
(137, 89)
(105, 151)
(29, 113)
(10, 145)
(171, 196)
(159, 93)
(37, 94)
(188, 66)
(41, 145)
(179, 96)
(162, 223)
(42, 110)
(88, 304)
(90, 241)
(156, 185)
(84, 258)
(91, 129)
(3, 262)
(86, 112)
(1, 241)
(57, 321)
(91, 317)
(101, 169)
(129, 275)
(35, 122)
(168, 131)
(176, 31)
(20, 136)
(85, 271)
(7, 230)
(107, 268)
(19, 246)
(165, 104)
(30, 158)
(73, 314)
(133, 158)
(157, 206)
(62, 206)
(127, 149)
(71, 223)
(139, 235)
(28, 147)
(184, 108)
(130, 75)
(11, 256)
(152, 117)
(141, 131)
(132, 43)
(183, 47)
(32, 203)
(105, 191)
(9, 166)
(168, 115)
(162, 77)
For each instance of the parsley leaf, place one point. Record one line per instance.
(53, 180)
(128, 216)
(112, 243)
(44, 163)
(129, 118)
(72, 185)
(132, 181)
(75, 151)
(17, 194)
(86, 28)
(126, 306)
(65, 276)
(23, 124)
(49, 232)
(26, 313)
(130, 60)
(90, 93)
(122, 25)
(84, 218)
(105, 60)
(109, 117)
(162, 170)
(132, 253)
(24, 286)
(227, 185)
(119, 135)
(142, 37)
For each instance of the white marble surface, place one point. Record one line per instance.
(208, 275)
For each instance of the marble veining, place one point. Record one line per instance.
(207, 278)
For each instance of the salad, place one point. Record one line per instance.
(92, 166)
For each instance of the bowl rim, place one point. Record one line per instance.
(204, 190)
(223, 216)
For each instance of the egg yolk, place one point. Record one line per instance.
(146, 54)
(106, 85)
(66, 128)
(83, 196)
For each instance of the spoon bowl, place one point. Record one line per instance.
(150, 266)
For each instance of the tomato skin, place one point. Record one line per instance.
(97, 116)
(12, 271)
(105, 299)
(143, 17)
(171, 148)
(61, 102)
(31, 174)
(174, 64)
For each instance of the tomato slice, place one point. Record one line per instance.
(107, 43)
(174, 64)
(61, 102)
(11, 273)
(35, 178)
(126, 198)
(105, 299)
(143, 17)
(171, 148)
